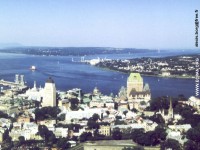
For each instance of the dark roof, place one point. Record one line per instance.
(50, 80)
(134, 93)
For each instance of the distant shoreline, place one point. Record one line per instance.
(160, 76)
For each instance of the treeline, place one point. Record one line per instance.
(74, 51)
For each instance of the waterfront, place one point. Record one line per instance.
(68, 74)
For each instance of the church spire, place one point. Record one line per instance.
(170, 111)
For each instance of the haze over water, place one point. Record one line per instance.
(68, 74)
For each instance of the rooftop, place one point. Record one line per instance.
(50, 80)
(135, 77)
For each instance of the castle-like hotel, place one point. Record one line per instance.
(136, 90)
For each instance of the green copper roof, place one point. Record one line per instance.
(135, 77)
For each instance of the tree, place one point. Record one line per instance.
(160, 133)
(95, 117)
(46, 113)
(118, 117)
(6, 134)
(42, 130)
(50, 138)
(157, 118)
(117, 134)
(53, 111)
(134, 110)
(63, 143)
(92, 124)
(61, 117)
(107, 112)
(193, 135)
(3, 115)
(136, 133)
(74, 103)
(21, 139)
(170, 143)
(191, 145)
(125, 112)
(85, 136)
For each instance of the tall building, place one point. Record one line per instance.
(136, 90)
(134, 83)
(49, 97)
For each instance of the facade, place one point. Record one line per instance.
(134, 83)
(23, 119)
(136, 89)
(49, 98)
(105, 130)
(170, 114)
(10, 110)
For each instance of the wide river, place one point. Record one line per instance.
(68, 74)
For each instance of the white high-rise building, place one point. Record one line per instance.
(49, 97)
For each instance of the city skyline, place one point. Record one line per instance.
(136, 24)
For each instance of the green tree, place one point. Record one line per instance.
(46, 113)
(193, 134)
(95, 117)
(50, 138)
(85, 136)
(63, 143)
(117, 134)
(43, 130)
(171, 143)
(125, 112)
(61, 117)
(6, 134)
(136, 133)
(74, 103)
(157, 118)
(191, 145)
(21, 141)
(160, 133)
(107, 112)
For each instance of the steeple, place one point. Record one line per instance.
(170, 111)
(34, 86)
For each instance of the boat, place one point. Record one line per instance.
(94, 61)
(32, 68)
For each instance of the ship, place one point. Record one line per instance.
(32, 68)
(94, 61)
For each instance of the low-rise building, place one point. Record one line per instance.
(105, 130)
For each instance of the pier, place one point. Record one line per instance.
(8, 83)
(19, 81)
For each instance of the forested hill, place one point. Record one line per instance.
(75, 51)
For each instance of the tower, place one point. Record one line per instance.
(134, 83)
(17, 79)
(34, 86)
(49, 97)
(22, 80)
(170, 111)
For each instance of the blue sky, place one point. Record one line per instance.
(160, 24)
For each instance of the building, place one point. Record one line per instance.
(87, 113)
(49, 97)
(23, 119)
(136, 89)
(165, 73)
(105, 130)
(134, 83)
(10, 110)
(34, 93)
(170, 114)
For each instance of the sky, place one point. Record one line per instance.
(152, 24)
